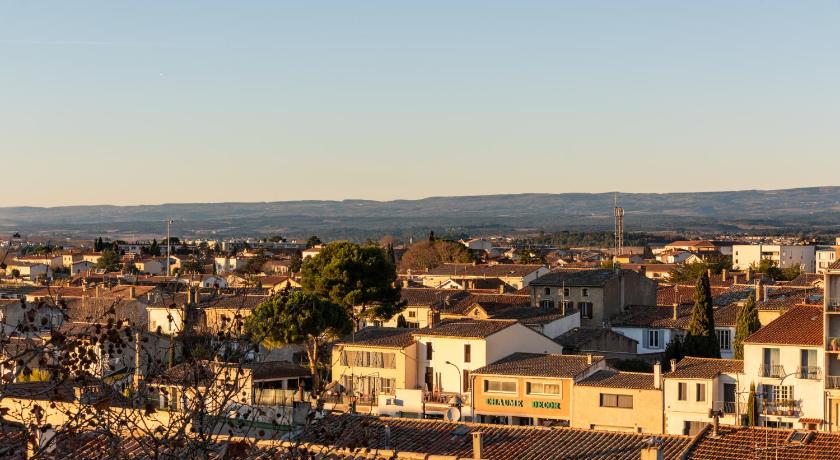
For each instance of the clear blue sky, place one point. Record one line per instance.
(163, 101)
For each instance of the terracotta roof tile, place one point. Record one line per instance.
(740, 443)
(539, 365)
(705, 368)
(801, 325)
(617, 379)
(500, 441)
(466, 328)
(384, 337)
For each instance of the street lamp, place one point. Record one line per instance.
(460, 377)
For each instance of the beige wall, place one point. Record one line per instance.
(404, 373)
(525, 405)
(646, 416)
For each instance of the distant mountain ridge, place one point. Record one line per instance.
(816, 207)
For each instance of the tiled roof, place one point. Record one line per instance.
(705, 368)
(617, 379)
(539, 365)
(647, 316)
(684, 294)
(806, 279)
(801, 325)
(835, 266)
(500, 442)
(470, 270)
(190, 373)
(491, 303)
(741, 443)
(436, 298)
(789, 298)
(385, 337)
(592, 278)
(528, 315)
(579, 337)
(466, 328)
(690, 243)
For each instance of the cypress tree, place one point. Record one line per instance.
(701, 340)
(751, 416)
(401, 321)
(747, 324)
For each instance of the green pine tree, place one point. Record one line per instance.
(701, 340)
(746, 325)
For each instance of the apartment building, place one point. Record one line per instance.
(619, 401)
(831, 305)
(785, 360)
(825, 256)
(695, 388)
(784, 256)
(427, 371)
(530, 388)
(598, 295)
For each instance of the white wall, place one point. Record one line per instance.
(561, 326)
(678, 412)
(785, 256)
(809, 393)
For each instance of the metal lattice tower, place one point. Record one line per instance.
(619, 228)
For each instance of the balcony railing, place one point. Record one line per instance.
(780, 409)
(809, 372)
(832, 305)
(771, 370)
(440, 397)
(832, 344)
(728, 407)
(832, 382)
(278, 397)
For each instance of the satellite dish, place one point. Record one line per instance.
(453, 414)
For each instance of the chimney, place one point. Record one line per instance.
(749, 275)
(98, 291)
(589, 358)
(715, 423)
(723, 275)
(433, 318)
(759, 297)
(657, 375)
(132, 292)
(676, 311)
(189, 295)
(651, 453)
(42, 443)
(734, 278)
(709, 272)
(478, 445)
(501, 288)
(673, 364)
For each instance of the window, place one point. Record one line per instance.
(585, 309)
(701, 392)
(566, 292)
(770, 364)
(547, 291)
(467, 352)
(584, 292)
(682, 391)
(387, 385)
(653, 339)
(466, 382)
(546, 303)
(412, 314)
(621, 401)
(499, 386)
(778, 392)
(808, 368)
(368, 359)
(428, 351)
(540, 388)
(724, 339)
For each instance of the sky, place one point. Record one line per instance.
(116, 102)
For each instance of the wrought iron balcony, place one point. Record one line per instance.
(771, 370)
(809, 372)
(832, 382)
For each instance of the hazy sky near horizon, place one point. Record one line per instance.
(111, 102)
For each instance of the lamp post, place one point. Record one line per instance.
(460, 377)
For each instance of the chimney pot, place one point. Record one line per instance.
(478, 445)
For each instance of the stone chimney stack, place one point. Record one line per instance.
(132, 292)
(675, 313)
(673, 364)
(657, 375)
(723, 275)
(589, 358)
(749, 275)
(651, 453)
(478, 445)
(759, 295)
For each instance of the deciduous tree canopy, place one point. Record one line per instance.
(430, 254)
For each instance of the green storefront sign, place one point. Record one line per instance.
(519, 403)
